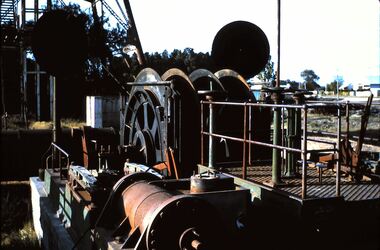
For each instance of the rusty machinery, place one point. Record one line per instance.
(161, 131)
(162, 128)
(351, 158)
(163, 113)
(151, 213)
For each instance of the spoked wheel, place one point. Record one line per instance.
(142, 129)
(142, 121)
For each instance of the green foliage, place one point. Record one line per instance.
(310, 78)
(268, 74)
(186, 60)
(333, 86)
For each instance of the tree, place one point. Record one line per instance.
(310, 79)
(268, 74)
(335, 85)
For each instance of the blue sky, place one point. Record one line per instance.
(331, 37)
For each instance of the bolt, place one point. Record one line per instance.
(178, 203)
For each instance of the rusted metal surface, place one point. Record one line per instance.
(350, 190)
(140, 201)
(99, 146)
(158, 215)
(207, 182)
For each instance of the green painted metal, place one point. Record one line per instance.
(276, 153)
(290, 169)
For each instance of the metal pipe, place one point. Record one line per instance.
(304, 154)
(339, 155)
(249, 134)
(278, 81)
(60, 149)
(290, 163)
(202, 156)
(56, 121)
(211, 139)
(348, 161)
(276, 153)
(283, 137)
(254, 142)
(244, 143)
(159, 83)
(279, 105)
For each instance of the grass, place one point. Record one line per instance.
(16, 122)
(17, 230)
(65, 123)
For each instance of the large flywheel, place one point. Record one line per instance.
(162, 118)
(143, 119)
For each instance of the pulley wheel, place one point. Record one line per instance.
(235, 85)
(184, 128)
(241, 46)
(142, 126)
(144, 117)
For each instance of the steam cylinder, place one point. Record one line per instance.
(168, 220)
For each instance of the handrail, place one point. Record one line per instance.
(303, 147)
(56, 158)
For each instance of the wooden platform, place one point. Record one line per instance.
(350, 190)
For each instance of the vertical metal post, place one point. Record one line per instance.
(250, 133)
(304, 154)
(276, 153)
(278, 81)
(298, 97)
(290, 163)
(244, 142)
(56, 122)
(210, 138)
(202, 129)
(23, 76)
(37, 77)
(38, 93)
(348, 161)
(51, 97)
(283, 152)
(23, 13)
(339, 154)
(24, 101)
(36, 10)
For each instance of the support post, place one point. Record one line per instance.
(304, 154)
(211, 131)
(290, 163)
(56, 122)
(338, 163)
(299, 99)
(276, 153)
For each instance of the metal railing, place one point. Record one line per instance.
(246, 139)
(58, 160)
